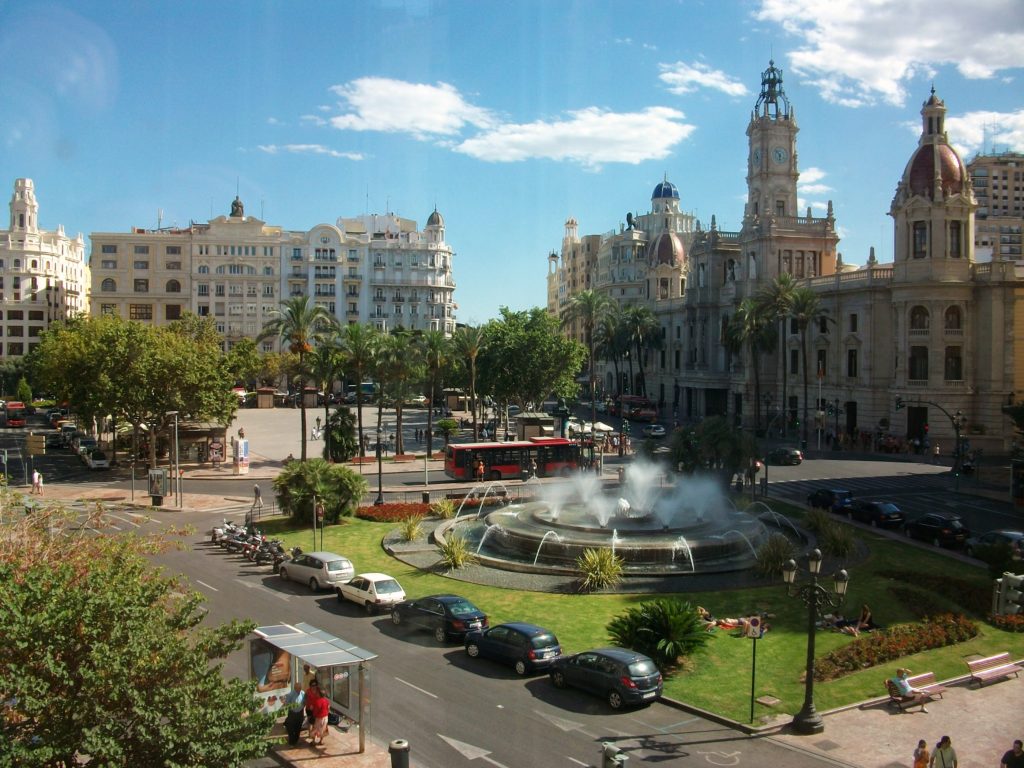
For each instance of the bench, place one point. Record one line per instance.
(992, 668)
(460, 495)
(926, 685)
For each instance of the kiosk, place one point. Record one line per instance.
(279, 652)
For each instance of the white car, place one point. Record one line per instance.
(374, 591)
(97, 460)
(318, 570)
(654, 430)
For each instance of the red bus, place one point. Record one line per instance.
(554, 456)
(635, 407)
(14, 413)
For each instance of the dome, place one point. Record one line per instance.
(921, 170)
(667, 248)
(435, 219)
(665, 189)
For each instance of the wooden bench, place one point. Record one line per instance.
(992, 668)
(926, 685)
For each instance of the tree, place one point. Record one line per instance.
(806, 308)
(469, 342)
(88, 623)
(589, 307)
(23, 391)
(640, 326)
(300, 323)
(400, 369)
(340, 430)
(612, 343)
(244, 363)
(325, 366)
(777, 301)
(750, 329)
(358, 344)
(435, 351)
(337, 486)
(665, 629)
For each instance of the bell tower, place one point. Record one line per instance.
(24, 208)
(772, 161)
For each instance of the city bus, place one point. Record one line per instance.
(14, 413)
(554, 456)
(635, 407)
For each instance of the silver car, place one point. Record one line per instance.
(318, 569)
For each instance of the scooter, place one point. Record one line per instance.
(226, 527)
(283, 557)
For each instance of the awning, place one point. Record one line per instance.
(312, 645)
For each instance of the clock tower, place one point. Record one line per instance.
(772, 163)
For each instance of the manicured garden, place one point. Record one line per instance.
(900, 582)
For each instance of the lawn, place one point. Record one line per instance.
(718, 678)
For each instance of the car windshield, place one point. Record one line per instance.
(642, 668)
(956, 525)
(888, 508)
(338, 565)
(462, 608)
(545, 640)
(387, 585)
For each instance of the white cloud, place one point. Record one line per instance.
(590, 137)
(986, 131)
(811, 175)
(313, 120)
(308, 149)
(860, 51)
(686, 78)
(396, 106)
(273, 121)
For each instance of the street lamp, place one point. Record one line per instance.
(816, 597)
(177, 466)
(380, 484)
(958, 424)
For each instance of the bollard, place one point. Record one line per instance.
(612, 756)
(399, 751)
(426, 497)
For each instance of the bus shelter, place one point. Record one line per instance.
(279, 654)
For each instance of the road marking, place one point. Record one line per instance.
(721, 758)
(416, 687)
(469, 751)
(578, 762)
(207, 585)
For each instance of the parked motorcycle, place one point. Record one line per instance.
(283, 557)
(226, 528)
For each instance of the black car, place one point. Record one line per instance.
(1012, 540)
(881, 514)
(526, 647)
(792, 456)
(943, 529)
(833, 499)
(619, 675)
(446, 616)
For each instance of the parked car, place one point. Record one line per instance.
(622, 677)
(417, 401)
(83, 446)
(791, 456)
(526, 647)
(833, 499)
(1012, 539)
(97, 459)
(943, 529)
(373, 591)
(318, 570)
(882, 514)
(654, 430)
(446, 616)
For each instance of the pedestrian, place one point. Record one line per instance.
(944, 755)
(478, 469)
(35, 481)
(1015, 757)
(296, 703)
(936, 453)
(257, 497)
(39, 483)
(321, 708)
(921, 754)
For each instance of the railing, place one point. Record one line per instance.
(918, 332)
(954, 383)
(954, 331)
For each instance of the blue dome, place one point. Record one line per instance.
(665, 189)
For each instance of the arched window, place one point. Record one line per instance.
(173, 286)
(220, 270)
(268, 270)
(108, 285)
(919, 318)
(203, 269)
(953, 319)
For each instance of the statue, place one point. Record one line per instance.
(629, 220)
(237, 209)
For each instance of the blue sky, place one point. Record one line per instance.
(508, 117)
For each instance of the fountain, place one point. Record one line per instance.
(654, 526)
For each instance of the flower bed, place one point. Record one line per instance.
(393, 513)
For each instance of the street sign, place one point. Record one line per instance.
(36, 444)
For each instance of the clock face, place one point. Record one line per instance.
(756, 158)
(779, 155)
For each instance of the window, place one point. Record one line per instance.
(174, 250)
(780, 207)
(108, 249)
(954, 240)
(822, 324)
(108, 264)
(139, 264)
(822, 362)
(141, 286)
(140, 311)
(173, 286)
(853, 322)
(851, 363)
(108, 309)
(794, 326)
(268, 290)
(109, 285)
(15, 314)
(172, 311)
(35, 314)
(269, 271)
(920, 245)
(203, 289)
(953, 319)
(174, 265)
(218, 290)
(794, 361)
(919, 319)
(954, 365)
(918, 369)
(203, 269)
(141, 250)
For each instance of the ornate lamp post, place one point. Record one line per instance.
(816, 597)
(380, 483)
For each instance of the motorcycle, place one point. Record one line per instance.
(227, 527)
(266, 553)
(283, 557)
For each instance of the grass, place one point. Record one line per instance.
(718, 678)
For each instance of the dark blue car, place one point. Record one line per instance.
(445, 616)
(620, 676)
(526, 647)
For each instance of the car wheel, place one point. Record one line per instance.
(936, 541)
(440, 634)
(558, 679)
(473, 650)
(614, 699)
(314, 585)
(369, 607)
(396, 618)
(341, 597)
(521, 667)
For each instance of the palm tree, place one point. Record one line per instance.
(806, 309)
(300, 323)
(435, 349)
(358, 344)
(588, 307)
(777, 301)
(469, 342)
(612, 343)
(641, 324)
(399, 368)
(751, 329)
(325, 365)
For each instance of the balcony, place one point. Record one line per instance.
(918, 332)
(954, 331)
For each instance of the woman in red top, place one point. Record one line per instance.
(321, 707)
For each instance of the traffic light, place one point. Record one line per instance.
(830, 409)
(926, 429)
(1011, 595)
(625, 426)
(899, 403)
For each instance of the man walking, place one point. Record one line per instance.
(296, 702)
(1015, 757)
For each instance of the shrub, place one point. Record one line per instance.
(599, 569)
(883, 646)
(443, 508)
(837, 539)
(664, 629)
(300, 482)
(411, 528)
(455, 553)
(816, 520)
(1008, 622)
(392, 513)
(773, 555)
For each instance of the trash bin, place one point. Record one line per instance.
(399, 751)
(426, 497)
(803, 445)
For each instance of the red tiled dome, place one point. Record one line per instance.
(667, 248)
(921, 173)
